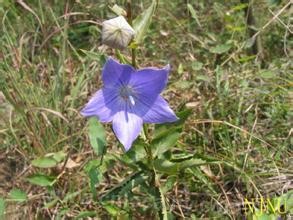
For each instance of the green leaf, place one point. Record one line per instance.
(2, 208)
(202, 177)
(165, 166)
(163, 129)
(85, 214)
(135, 154)
(163, 204)
(94, 179)
(196, 65)
(112, 209)
(267, 74)
(240, 7)
(59, 156)
(165, 142)
(169, 184)
(245, 59)
(44, 162)
(169, 167)
(204, 78)
(62, 212)
(179, 157)
(41, 180)
(51, 204)
(125, 187)
(92, 55)
(222, 48)
(71, 195)
(191, 162)
(193, 14)
(143, 21)
(17, 195)
(249, 42)
(97, 136)
(180, 69)
(50, 160)
(118, 10)
(183, 84)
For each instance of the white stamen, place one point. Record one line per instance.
(131, 100)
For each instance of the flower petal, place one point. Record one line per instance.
(114, 73)
(160, 112)
(150, 82)
(102, 105)
(127, 127)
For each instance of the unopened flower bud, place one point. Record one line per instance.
(117, 33)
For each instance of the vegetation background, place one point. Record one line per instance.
(231, 81)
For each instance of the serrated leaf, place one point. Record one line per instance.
(135, 154)
(191, 162)
(179, 157)
(41, 180)
(163, 129)
(125, 186)
(97, 136)
(163, 205)
(169, 184)
(44, 162)
(222, 48)
(17, 195)
(94, 179)
(169, 167)
(198, 174)
(142, 22)
(164, 143)
(165, 166)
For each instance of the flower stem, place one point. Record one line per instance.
(133, 57)
(148, 146)
(129, 18)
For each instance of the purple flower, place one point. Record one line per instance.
(130, 98)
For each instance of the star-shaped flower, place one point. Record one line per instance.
(130, 98)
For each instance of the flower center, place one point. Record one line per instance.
(127, 94)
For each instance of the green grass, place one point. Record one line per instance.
(240, 121)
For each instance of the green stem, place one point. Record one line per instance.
(133, 56)
(129, 18)
(154, 180)
(148, 147)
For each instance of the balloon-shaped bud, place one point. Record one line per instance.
(117, 33)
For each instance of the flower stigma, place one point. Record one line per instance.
(127, 94)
